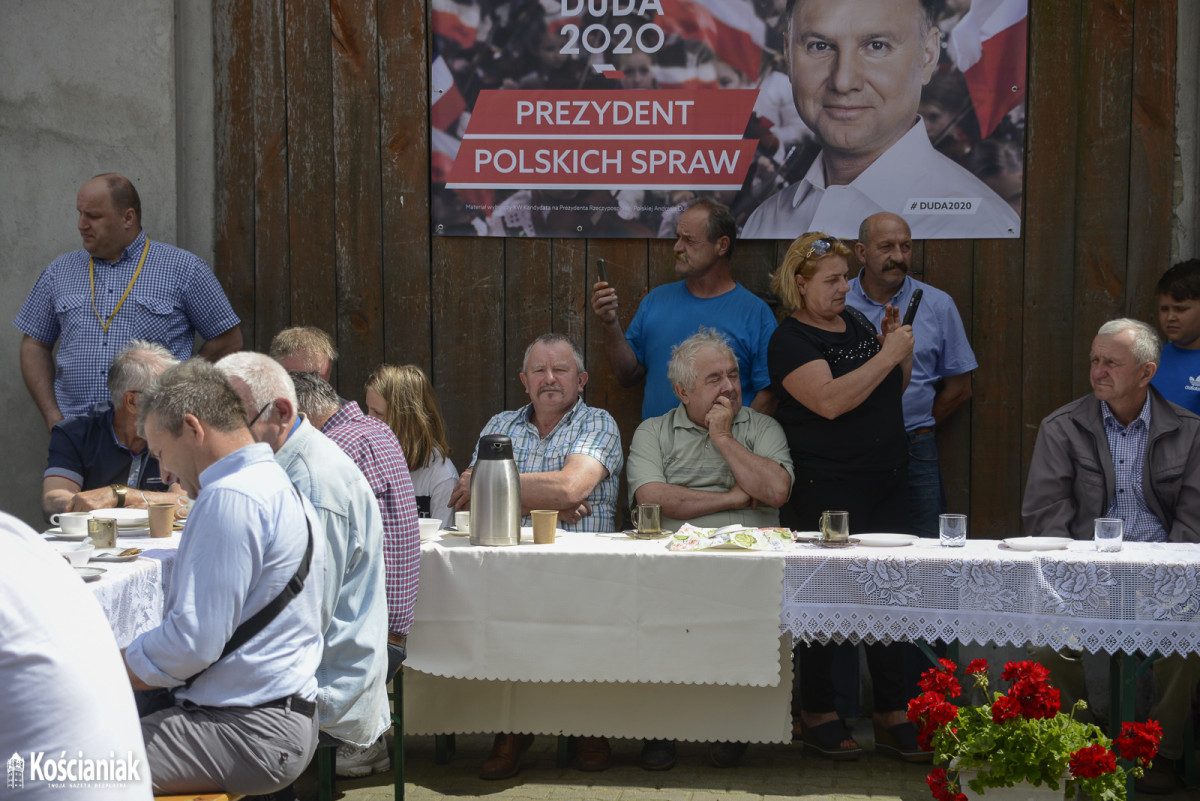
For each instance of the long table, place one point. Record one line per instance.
(131, 593)
(603, 635)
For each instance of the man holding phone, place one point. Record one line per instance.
(707, 295)
(942, 357)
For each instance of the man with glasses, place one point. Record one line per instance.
(352, 697)
(707, 296)
(98, 460)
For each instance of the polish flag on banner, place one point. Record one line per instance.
(989, 46)
(446, 103)
(702, 76)
(730, 28)
(457, 22)
(443, 150)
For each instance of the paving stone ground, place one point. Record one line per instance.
(767, 773)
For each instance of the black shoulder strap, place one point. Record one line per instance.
(260, 619)
(861, 318)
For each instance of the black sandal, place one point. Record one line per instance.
(827, 738)
(900, 741)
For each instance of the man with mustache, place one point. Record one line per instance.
(942, 357)
(706, 295)
(569, 458)
(710, 462)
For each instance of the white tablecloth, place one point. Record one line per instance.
(131, 593)
(600, 635)
(1145, 597)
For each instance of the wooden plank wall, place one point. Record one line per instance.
(323, 219)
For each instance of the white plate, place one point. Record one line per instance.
(1038, 543)
(452, 532)
(90, 573)
(886, 540)
(133, 531)
(112, 555)
(806, 536)
(58, 532)
(125, 517)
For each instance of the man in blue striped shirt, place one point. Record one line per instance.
(569, 457)
(119, 286)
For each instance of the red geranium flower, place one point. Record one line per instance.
(1139, 741)
(1092, 761)
(934, 681)
(1005, 708)
(1015, 671)
(930, 711)
(977, 666)
(1035, 699)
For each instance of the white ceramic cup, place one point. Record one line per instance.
(79, 555)
(462, 522)
(429, 527)
(71, 522)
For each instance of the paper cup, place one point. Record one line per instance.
(162, 519)
(544, 523)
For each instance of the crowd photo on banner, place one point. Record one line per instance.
(535, 132)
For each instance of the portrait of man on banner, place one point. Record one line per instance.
(601, 118)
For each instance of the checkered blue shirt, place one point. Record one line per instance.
(1127, 444)
(582, 430)
(376, 451)
(175, 297)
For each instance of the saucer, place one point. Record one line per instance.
(633, 533)
(60, 534)
(824, 544)
(112, 555)
(90, 573)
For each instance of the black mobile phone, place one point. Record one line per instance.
(603, 273)
(912, 307)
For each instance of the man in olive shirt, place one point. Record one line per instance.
(710, 461)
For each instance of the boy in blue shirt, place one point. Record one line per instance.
(1178, 376)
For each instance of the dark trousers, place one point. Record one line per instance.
(877, 502)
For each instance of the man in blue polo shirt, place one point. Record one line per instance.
(707, 296)
(98, 460)
(942, 357)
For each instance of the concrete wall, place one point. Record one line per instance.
(90, 87)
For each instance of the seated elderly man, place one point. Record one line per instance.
(569, 458)
(710, 462)
(1125, 452)
(377, 452)
(98, 460)
(352, 687)
(240, 638)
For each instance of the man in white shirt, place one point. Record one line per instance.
(857, 68)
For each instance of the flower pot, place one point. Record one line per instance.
(1021, 792)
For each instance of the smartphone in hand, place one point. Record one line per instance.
(913, 305)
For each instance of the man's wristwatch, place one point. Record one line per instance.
(119, 491)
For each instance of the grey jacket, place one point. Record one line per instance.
(1071, 479)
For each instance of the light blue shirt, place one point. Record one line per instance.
(245, 537)
(352, 694)
(940, 349)
(1127, 445)
(670, 313)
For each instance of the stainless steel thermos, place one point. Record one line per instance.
(495, 494)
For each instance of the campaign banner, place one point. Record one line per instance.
(604, 118)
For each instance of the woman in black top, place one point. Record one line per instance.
(839, 385)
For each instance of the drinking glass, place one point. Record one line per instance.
(835, 526)
(1108, 534)
(952, 530)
